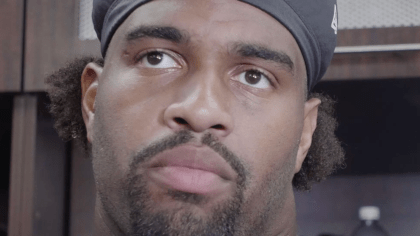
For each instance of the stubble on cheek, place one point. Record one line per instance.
(272, 193)
(109, 168)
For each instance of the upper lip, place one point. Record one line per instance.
(189, 156)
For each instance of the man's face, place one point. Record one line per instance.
(197, 121)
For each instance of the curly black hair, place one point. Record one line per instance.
(64, 89)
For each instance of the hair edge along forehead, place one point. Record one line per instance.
(64, 90)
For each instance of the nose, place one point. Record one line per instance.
(203, 107)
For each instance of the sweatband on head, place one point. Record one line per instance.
(313, 24)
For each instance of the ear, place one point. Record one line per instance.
(89, 83)
(309, 126)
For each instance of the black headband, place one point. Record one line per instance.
(313, 23)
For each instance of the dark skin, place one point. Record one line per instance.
(214, 74)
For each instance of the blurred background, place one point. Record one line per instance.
(46, 185)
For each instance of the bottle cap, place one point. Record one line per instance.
(369, 213)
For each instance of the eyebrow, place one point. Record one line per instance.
(262, 52)
(243, 49)
(161, 32)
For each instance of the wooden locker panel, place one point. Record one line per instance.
(11, 36)
(38, 171)
(378, 36)
(52, 40)
(22, 166)
(376, 65)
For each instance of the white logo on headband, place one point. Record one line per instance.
(334, 24)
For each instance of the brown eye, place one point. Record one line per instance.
(154, 58)
(255, 79)
(252, 76)
(159, 60)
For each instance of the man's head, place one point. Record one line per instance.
(199, 121)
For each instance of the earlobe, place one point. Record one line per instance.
(89, 86)
(309, 126)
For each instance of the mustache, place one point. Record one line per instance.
(183, 137)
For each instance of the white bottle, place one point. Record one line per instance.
(369, 225)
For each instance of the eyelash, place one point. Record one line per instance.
(242, 68)
(253, 68)
(140, 56)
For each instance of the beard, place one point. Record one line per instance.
(134, 212)
(181, 221)
(145, 220)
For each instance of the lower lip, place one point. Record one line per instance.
(188, 180)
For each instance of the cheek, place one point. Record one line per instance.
(129, 117)
(133, 109)
(268, 142)
(268, 138)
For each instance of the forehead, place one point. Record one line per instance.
(214, 23)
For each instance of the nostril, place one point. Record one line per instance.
(180, 121)
(220, 127)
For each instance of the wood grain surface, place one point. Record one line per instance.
(52, 39)
(378, 36)
(21, 203)
(376, 65)
(38, 169)
(11, 36)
